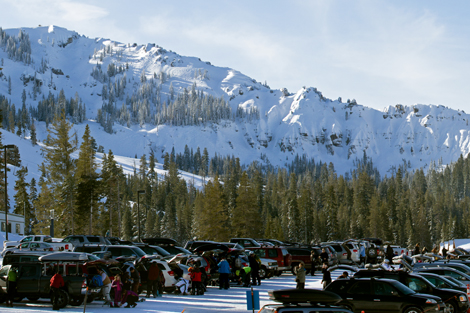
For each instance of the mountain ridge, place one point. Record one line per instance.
(274, 125)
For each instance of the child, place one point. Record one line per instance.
(300, 277)
(326, 276)
(117, 284)
(196, 281)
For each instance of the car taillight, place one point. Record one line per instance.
(66, 247)
(355, 250)
(345, 254)
(84, 283)
(51, 249)
(244, 264)
(171, 273)
(406, 252)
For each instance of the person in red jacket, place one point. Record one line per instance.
(56, 283)
(196, 280)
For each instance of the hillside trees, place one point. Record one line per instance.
(58, 166)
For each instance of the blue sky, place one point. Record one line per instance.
(378, 52)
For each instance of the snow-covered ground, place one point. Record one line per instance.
(214, 300)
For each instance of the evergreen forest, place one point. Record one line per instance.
(305, 202)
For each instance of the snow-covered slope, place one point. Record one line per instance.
(289, 123)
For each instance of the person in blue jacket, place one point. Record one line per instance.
(224, 271)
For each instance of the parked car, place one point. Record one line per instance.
(443, 282)
(22, 256)
(445, 271)
(303, 301)
(342, 251)
(59, 246)
(30, 246)
(281, 255)
(152, 250)
(456, 300)
(458, 266)
(34, 280)
(332, 258)
(383, 295)
(397, 250)
(300, 255)
(89, 248)
(246, 242)
(192, 245)
(79, 240)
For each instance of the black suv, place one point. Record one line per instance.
(383, 295)
(192, 245)
(456, 300)
(303, 301)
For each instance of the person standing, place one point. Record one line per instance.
(417, 249)
(300, 277)
(56, 283)
(362, 253)
(313, 261)
(324, 256)
(11, 286)
(106, 289)
(153, 280)
(117, 285)
(135, 276)
(326, 280)
(389, 253)
(254, 264)
(224, 271)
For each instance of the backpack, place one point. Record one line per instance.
(96, 281)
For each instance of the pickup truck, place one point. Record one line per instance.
(58, 246)
(34, 279)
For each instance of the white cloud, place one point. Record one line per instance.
(61, 11)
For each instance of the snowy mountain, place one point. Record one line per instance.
(136, 100)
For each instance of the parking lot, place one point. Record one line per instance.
(214, 300)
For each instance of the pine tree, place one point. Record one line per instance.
(32, 130)
(59, 165)
(88, 192)
(22, 199)
(246, 217)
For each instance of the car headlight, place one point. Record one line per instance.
(271, 264)
(431, 301)
(463, 298)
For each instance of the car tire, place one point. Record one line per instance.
(64, 298)
(453, 307)
(263, 272)
(412, 310)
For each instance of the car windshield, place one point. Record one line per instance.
(140, 253)
(455, 281)
(162, 251)
(402, 288)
